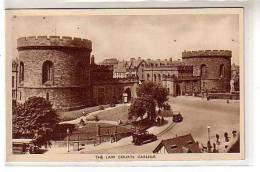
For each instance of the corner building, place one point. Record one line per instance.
(56, 68)
(212, 66)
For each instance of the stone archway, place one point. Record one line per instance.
(127, 95)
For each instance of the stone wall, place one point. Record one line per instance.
(211, 81)
(66, 89)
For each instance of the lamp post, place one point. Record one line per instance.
(208, 127)
(68, 132)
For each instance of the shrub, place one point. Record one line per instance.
(166, 106)
(82, 122)
(101, 107)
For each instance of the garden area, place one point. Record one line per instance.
(37, 120)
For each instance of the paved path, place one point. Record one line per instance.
(198, 114)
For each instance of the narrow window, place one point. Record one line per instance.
(20, 95)
(203, 71)
(159, 78)
(47, 71)
(13, 81)
(21, 72)
(148, 77)
(221, 70)
(47, 96)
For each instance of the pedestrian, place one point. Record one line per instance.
(209, 147)
(214, 148)
(226, 137)
(218, 141)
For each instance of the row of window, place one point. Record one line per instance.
(203, 73)
(48, 72)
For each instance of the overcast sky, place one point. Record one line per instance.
(147, 36)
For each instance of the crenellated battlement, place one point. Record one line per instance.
(205, 53)
(46, 41)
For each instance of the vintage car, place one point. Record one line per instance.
(143, 137)
(177, 117)
(23, 146)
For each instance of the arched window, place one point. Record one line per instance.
(203, 70)
(221, 70)
(154, 76)
(164, 76)
(21, 72)
(159, 78)
(148, 77)
(47, 71)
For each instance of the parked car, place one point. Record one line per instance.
(112, 104)
(22, 146)
(142, 138)
(177, 118)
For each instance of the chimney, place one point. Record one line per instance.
(132, 59)
(170, 59)
(92, 59)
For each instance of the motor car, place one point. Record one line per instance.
(143, 137)
(177, 118)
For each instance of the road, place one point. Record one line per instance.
(198, 114)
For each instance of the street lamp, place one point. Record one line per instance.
(208, 127)
(68, 132)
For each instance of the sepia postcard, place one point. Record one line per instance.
(91, 85)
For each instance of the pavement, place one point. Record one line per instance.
(198, 114)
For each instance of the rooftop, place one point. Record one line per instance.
(179, 144)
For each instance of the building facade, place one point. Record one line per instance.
(59, 69)
(14, 82)
(212, 66)
(206, 71)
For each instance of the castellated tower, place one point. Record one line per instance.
(56, 68)
(213, 67)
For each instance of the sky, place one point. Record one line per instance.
(132, 36)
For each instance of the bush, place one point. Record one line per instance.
(96, 118)
(82, 122)
(36, 113)
(101, 107)
(166, 106)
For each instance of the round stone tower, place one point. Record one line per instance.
(56, 68)
(213, 67)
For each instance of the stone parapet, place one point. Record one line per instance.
(207, 53)
(53, 41)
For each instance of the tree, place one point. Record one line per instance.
(157, 91)
(142, 105)
(36, 115)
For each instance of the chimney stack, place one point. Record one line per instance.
(92, 59)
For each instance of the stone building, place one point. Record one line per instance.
(61, 70)
(55, 68)
(212, 66)
(14, 81)
(130, 69)
(198, 72)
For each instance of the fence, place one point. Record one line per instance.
(103, 134)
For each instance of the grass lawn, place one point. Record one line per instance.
(114, 114)
(111, 114)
